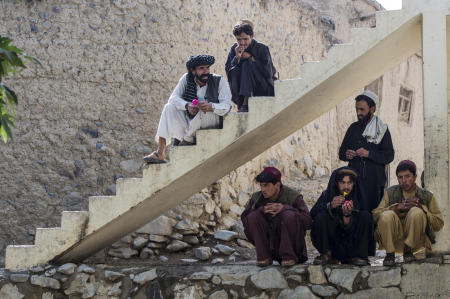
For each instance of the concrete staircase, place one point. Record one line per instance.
(325, 84)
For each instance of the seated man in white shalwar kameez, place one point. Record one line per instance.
(198, 101)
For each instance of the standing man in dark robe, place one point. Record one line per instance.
(275, 221)
(249, 67)
(367, 146)
(340, 230)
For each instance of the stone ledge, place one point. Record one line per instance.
(245, 280)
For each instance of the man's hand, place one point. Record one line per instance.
(239, 50)
(413, 202)
(348, 208)
(362, 152)
(205, 106)
(191, 109)
(245, 55)
(273, 208)
(350, 154)
(337, 201)
(405, 206)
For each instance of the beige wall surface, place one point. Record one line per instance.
(91, 113)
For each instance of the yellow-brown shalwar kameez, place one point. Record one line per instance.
(394, 231)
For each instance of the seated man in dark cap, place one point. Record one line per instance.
(407, 216)
(249, 67)
(275, 221)
(199, 100)
(340, 230)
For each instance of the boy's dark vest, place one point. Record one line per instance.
(287, 196)
(395, 194)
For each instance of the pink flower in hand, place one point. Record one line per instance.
(195, 102)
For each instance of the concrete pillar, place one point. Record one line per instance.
(436, 132)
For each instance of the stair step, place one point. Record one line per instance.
(129, 187)
(337, 57)
(340, 52)
(309, 67)
(101, 211)
(287, 90)
(206, 136)
(183, 156)
(45, 235)
(362, 35)
(16, 255)
(388, 19)
(69, 219)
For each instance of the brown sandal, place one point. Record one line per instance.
(408, 257)
(264, 263)
(154, 158)
(288, 263)
(321, 260)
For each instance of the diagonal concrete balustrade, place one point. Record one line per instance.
(370, 53)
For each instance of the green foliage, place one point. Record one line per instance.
(10, 62)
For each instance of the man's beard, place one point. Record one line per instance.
(202, 78)
(365, 120)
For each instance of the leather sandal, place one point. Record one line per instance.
(264, 263)
(389, 260)
(243, 108)
(154, 158)
(408, 257)
(322, 259)
(288, 263)
(357, 261)
(186, 143)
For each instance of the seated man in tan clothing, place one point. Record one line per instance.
(407, 216)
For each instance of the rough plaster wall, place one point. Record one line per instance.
(109, 67)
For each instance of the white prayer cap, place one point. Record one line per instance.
(369, 94)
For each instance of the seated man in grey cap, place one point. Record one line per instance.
(198, 101)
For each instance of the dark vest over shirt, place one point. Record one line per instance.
(287, 196)
(212, 91)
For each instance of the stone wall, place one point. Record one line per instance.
(417, 280)
(90, 114)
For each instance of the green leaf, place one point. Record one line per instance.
(17, 61)
(6, 53)
(12, 97)
(14, 49)
(3, 132)
(33, 60)
(4, 41)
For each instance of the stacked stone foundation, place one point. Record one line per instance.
(425, 279)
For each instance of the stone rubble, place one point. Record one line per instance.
(202, 253)
(225, 235)
(67, 269)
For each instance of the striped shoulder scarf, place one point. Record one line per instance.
(190, 92)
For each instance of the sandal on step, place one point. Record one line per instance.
(288, 263)
(264, 263)
(408, 257)
(154, 158)
(322, 259)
